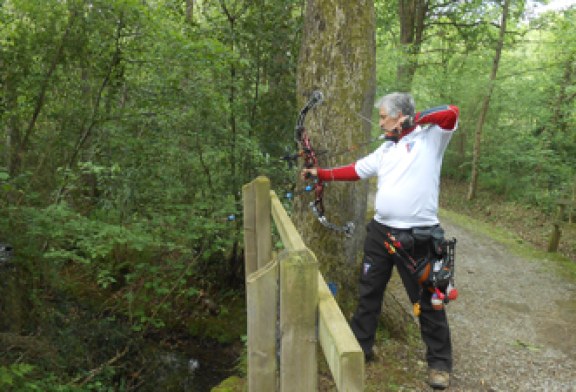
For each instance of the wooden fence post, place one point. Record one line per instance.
(257, 225)
(292, 290)
(262, 308)
(557, 226)
(261, 286)
(298, 312)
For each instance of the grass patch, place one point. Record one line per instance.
(560, 263)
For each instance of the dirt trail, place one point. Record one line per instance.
(514, 323)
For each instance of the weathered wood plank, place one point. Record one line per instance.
(257, 224)
(250, 248)
(263, 221)
(288, 233)
(341, 349)
(298, 312)
(262, 308)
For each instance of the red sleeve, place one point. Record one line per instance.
(343, 173)
(445, 116)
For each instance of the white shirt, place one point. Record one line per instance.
(408, 177)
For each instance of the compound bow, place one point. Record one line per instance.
(311, 161)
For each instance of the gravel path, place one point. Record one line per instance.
(514, 323)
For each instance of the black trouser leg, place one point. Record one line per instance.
(434, 327)
(435, 334)
(375, 274)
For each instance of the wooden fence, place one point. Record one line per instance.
(290, 308)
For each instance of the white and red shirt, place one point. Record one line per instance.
(408, 171)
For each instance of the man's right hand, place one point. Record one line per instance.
(306, 174)
(404, 122)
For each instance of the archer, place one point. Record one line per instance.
(405, 225)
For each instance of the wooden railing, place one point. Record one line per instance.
(290, 308)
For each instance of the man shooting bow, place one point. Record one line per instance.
(408, 168)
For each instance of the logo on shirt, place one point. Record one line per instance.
(409, 146)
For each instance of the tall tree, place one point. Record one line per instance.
(337, 57)
(412, 15)
(47, 44)
(486, 103)
(561, 104)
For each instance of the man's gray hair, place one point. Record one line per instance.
(395, 103)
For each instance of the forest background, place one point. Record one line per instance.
(129, 128)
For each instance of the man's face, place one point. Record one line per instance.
(388, 123)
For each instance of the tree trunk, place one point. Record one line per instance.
(337, 57)
(486, 104)
(232, 15)
(563, 99)
(12, 129)
(190, 11)
(40, 100)
(88, 129)
(412, 14)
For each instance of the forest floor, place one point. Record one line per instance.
(513, 323)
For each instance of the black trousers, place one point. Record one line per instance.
(376, 272)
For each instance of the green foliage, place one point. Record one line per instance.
(231, 384)
(131, 126)
(23, 377)
(527, 151)
(13, 375)
(131, 130)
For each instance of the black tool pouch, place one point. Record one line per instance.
(434, 264)
(423, 242)
(438, 240)
(405, 238)
(422, 234)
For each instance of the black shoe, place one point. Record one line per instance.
(369, 356)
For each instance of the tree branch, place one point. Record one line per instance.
(88, 130)
(45, 82)
(94, 372)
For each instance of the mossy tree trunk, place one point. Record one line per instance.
(337, 57)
